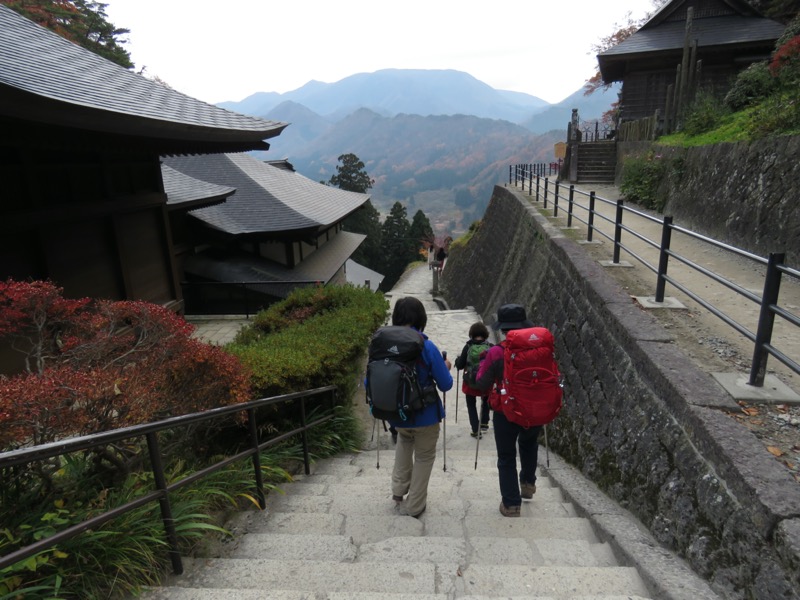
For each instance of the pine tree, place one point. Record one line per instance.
(81, 21)
(421, 234)
(351, 176)
(395, 246)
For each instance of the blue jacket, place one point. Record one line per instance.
(431, 370)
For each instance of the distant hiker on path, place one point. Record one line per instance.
(431, 256)
(440, 256)
(469, 360)
(417, 436)
(507, 434)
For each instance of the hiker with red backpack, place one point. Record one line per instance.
(410, 404)
(525, 396)
(469, 360)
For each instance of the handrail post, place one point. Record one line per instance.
(304, 436)
(537, 187)
(530, 182)
(523, 180)
(555, 201)
(618, 231)
(163, 501)
(545, 191)
(571, 201)
(510, 171)
(591, 216)
(663, 259)
(766, 319)
(251, 424)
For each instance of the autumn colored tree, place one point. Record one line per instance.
(95, 365)
(83, 22)
(622, 31)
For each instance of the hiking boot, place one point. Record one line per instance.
(484, 427)
(394, 436)
(475, 434)
(527, 490)
(509, 511)
(404, 511)
(397, 499)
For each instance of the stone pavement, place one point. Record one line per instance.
(336, 534)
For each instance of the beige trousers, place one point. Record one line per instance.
(413, 464)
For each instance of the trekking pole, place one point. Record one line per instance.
(457, 386)
(546, 446)
(444, 422)
(378, 451)
(477, 445)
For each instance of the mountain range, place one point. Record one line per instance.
(436, 140)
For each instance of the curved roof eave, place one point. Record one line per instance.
(45, 78)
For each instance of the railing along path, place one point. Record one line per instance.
(586, 207)
(163, 489)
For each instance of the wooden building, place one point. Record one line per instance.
(729, 36)
(83, 201)
(278, 231)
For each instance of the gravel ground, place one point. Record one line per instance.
(715, 347)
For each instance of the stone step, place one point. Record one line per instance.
(555, 582)
(176, 593)
(479, 550)
(417, 577)
(352, 505)
(238, 594)
(315, 576)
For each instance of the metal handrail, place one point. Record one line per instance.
(768, 301)
(163, 489)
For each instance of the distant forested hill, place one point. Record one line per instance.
(436, 140)
(444, 165)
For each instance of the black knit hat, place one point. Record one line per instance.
(511, 316)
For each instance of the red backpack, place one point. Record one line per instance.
(530, 393)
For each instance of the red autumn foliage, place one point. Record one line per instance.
(786, 58)
(95, 365)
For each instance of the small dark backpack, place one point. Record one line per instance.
(474, 362)
(393, 390)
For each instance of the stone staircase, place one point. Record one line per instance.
(336, 535)
(597, 161)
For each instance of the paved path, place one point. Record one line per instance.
(336, 534)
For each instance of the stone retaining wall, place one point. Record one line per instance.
(640, 420)
(744, 193)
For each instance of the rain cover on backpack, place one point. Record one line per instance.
(530, 393)
(393, 391)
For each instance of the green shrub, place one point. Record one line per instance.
(778, 114)
(752, 85)
(704, 114)
(792, 29)
(641, 176)
(310, 340)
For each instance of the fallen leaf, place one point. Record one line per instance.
(750, 411)
(775, 451)
(784, 408)
(458, 572)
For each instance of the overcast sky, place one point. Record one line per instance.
(226, 50)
